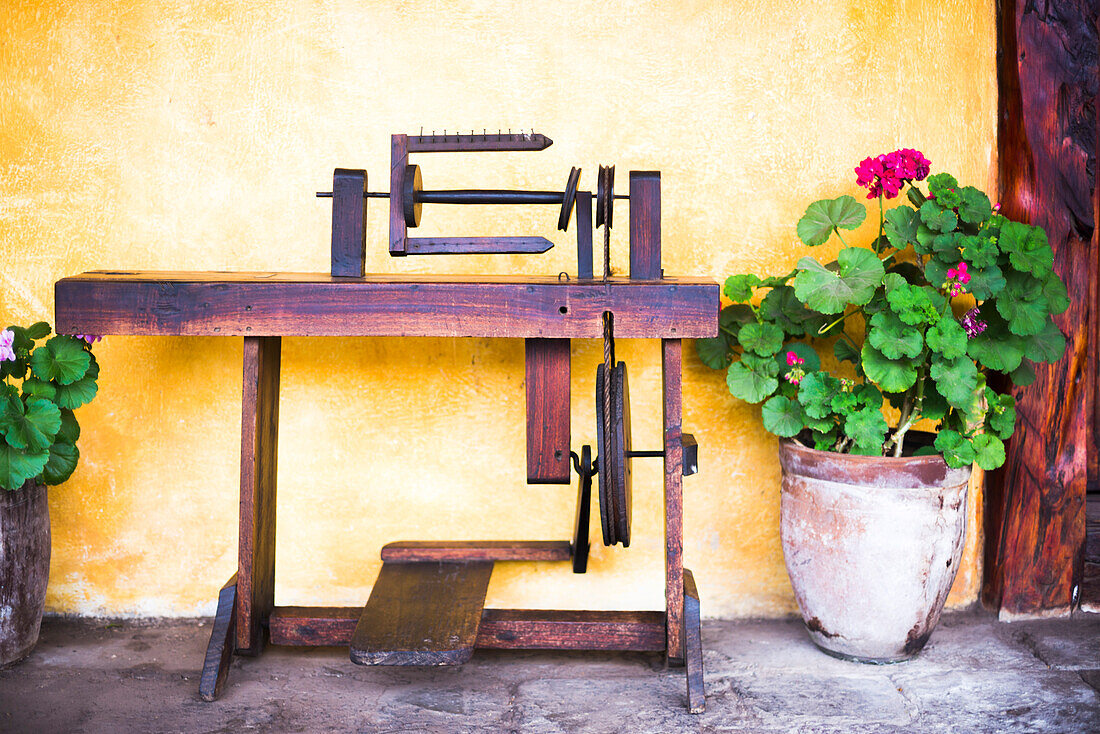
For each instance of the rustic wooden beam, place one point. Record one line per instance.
(1047, 162)
(459, 551)
(349, 222)
(693, 646)
(315, 304)
(255, 589)
(511, 629)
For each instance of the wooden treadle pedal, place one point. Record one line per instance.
(423, 613)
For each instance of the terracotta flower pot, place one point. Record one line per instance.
(24, 568)
(872, 546)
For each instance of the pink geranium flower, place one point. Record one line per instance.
(89, 338)
(957, 278)
(972, 324)
(885, 174)
(7, 337)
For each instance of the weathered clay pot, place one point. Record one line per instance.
(24, 568)
(872, 546)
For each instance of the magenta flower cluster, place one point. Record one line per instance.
(957, 278)
(7, 337)
(887, 173)
(795, 375)
(972, 324)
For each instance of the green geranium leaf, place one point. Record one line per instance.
(32, 427)
(782, 416)
(996, 348)
(901, 227)
(1047, 346)
(37, 331)
(925, 238)
(1001, 416)
(764, 339)
(1054, 290)
(893, 338)
(942, 185)
(731, 318)
(810, 361)
(890, 375)
(70, 429)
(1027, 248)
(986, 282)
(936, 218)
(752, 378)
(956, 380)
(739, 288)
(61, 359)
(1023, 375)
(915, 305)
(947, 337)
(822, 290)
(80, 392)
(935, 271)
(714, 352)
(822, 217)
(774, 281)
(934, 407)
(1026, 315)
(17, 465)
(947, 245)
(974, 207)
(867, 429)
(845, 352)
(815, 393)
(34, 388)
(824, 440)
(782, 308)
(61, 463)
(989, 451)
(956, 448)
(979, 251)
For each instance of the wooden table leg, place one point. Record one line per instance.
(674, 511)
(259, 440)
(693, 646)
(219, 652)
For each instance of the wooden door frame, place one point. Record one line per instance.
(1047, 145)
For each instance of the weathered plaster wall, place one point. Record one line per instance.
(191, 136)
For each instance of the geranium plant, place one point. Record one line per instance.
(947, 293)
(41, 386)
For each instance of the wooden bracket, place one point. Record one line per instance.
(645, 225)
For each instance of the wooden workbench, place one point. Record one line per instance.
(263, 307)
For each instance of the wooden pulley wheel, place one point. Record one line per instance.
(605, 195)
(411, 195)
(613, 461)
(569, 198)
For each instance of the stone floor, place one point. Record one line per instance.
(976, 675)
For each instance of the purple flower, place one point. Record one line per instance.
(7, 336)
(89, 338)
(972, 324)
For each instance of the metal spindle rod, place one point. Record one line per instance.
(476, 196)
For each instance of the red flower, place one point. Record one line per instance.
(887, 173)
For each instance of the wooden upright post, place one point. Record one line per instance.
(645, 225)
(1035, 519)
(259, 441)
(671, 352)
(547, 384)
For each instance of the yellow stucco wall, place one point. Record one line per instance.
(191, 136)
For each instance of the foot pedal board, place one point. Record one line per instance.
(422, 613)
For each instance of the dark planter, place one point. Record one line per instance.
(24, 568)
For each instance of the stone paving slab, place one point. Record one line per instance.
(976, 675)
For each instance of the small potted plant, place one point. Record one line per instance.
(40, 387)
(847, 357)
